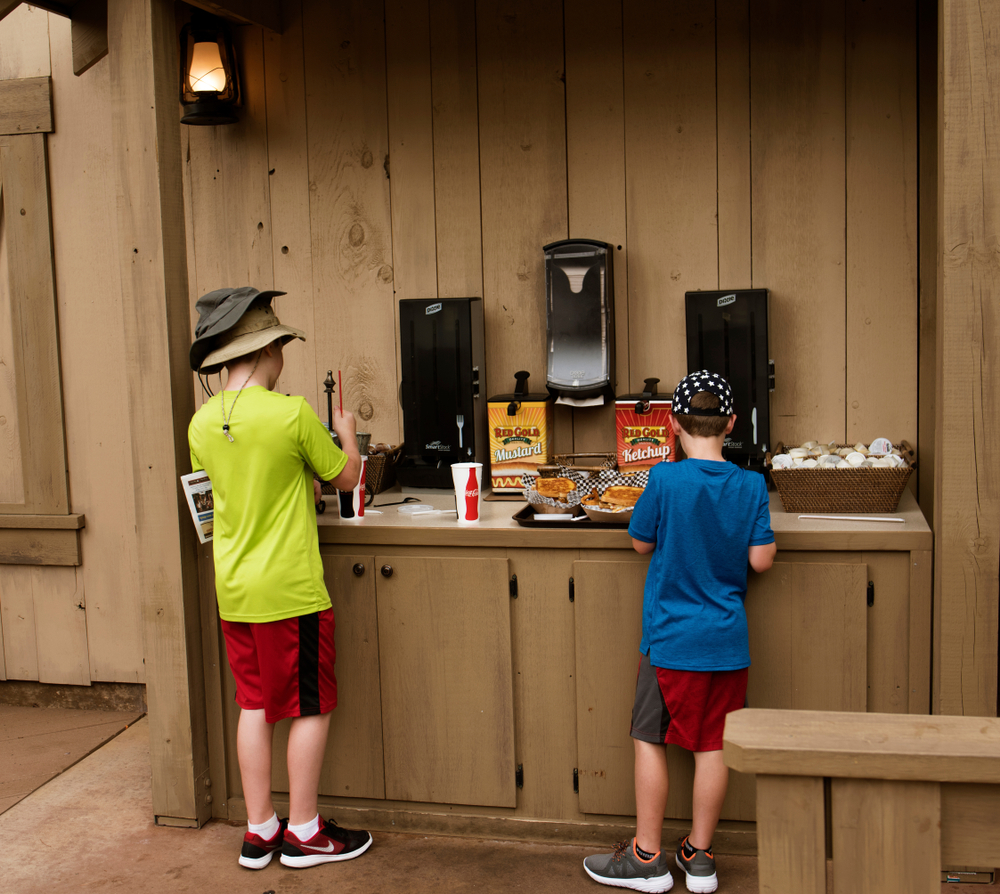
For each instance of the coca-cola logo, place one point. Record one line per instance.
(474, 492)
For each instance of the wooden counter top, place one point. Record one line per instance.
(498, 528)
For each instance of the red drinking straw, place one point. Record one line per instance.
(340, 388)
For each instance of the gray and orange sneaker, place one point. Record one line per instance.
(698, 868)
(329, 845)
(626, 869)
(257, 851)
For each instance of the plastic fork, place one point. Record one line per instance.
(460, 422)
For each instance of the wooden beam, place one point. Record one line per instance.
(25, 106)
(90, 33)
(145, 121)
(266, 13)
(967, 425)
(49, 522)
(63, 9)
(40, 546)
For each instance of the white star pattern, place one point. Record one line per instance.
(703, 380)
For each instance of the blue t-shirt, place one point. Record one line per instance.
(703, 516)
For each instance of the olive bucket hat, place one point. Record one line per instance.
(234, 322)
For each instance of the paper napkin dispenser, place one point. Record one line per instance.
(579, 303)
(727, 334)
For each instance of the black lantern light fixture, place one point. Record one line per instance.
(210, 85)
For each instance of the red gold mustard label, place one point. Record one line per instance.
(518, 444)
(643, 439)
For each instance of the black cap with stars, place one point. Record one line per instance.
(696, 382)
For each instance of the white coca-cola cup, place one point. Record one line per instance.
(352, 502)
(468, 479)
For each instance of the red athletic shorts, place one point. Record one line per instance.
(284, 667)
(686, 708)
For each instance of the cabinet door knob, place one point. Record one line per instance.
(387, 571)
(359, 569)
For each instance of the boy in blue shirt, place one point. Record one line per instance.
(703, 520)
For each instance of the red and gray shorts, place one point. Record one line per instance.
(284, 667)
(686, 708)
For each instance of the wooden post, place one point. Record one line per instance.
(143, 56)
(967, 423)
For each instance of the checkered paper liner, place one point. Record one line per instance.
(585, 484)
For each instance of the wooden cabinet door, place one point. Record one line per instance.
(447, 688)
(808, 649)
(353, 765)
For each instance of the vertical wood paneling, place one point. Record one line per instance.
(24, 37)
(411, 153)
(349, 206)
(798, 183)
(288, 182)
(790, 835)
(881, 145)
(967, 436)
(88, 288)
(18, 610)
(889, 632)
(229, 186)
(11, 464)
(672, 183)
(61, 634)
(458, 215)
(522, 136)
(28, 231)
(733, 91)
(595, 167)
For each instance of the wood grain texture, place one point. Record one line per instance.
(61, 631)
(151, 252)
(90, 34)
(26, 106)
(865, 746)
(446, 624)
(921, 627)
(732, 28)
(17, 608)
(267, 13)
(545, 709)
(967, 487)
(522, 140)
(671, 177)
(595, 169)
(23, 33)
(798, 183)
(35, 342)
(882, 257)
(288, 181)
(886, 837)
(11, 406)
(95, 382)
(790, 835)
(349, 209)
(458, 216)
(889, 631)
(40, 546)
(608, 617)
(969, 834)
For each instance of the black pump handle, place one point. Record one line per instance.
(521, 381)
(648, 393)
(328, 388)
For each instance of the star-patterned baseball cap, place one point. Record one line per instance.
(696, 382)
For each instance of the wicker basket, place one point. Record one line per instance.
(380, 473)
(842, 490)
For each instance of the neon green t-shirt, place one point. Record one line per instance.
(267, 562)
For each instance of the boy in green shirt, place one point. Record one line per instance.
(261, 450)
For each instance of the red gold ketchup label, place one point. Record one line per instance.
(518, 444)
(643, 439)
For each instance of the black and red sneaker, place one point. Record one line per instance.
(328, 845)
(257, 851)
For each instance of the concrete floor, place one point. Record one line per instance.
(90, 830)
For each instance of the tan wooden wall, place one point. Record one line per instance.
(80, 623)
(421, 149)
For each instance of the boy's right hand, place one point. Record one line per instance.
(346, 428)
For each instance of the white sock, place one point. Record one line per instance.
(306, 830)
(267, 830)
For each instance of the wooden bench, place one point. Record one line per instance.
(907, 793)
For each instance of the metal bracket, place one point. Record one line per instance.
(513, 586)
(572, 590)
(519, 775)
(871, 593)
(576, 780)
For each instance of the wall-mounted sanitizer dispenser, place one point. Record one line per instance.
(579, 301)
(442, 351)
(727, 334)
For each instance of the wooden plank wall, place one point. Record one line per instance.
(394, 150)
(967, 479)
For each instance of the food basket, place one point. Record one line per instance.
(380, 473)
(842, 490)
